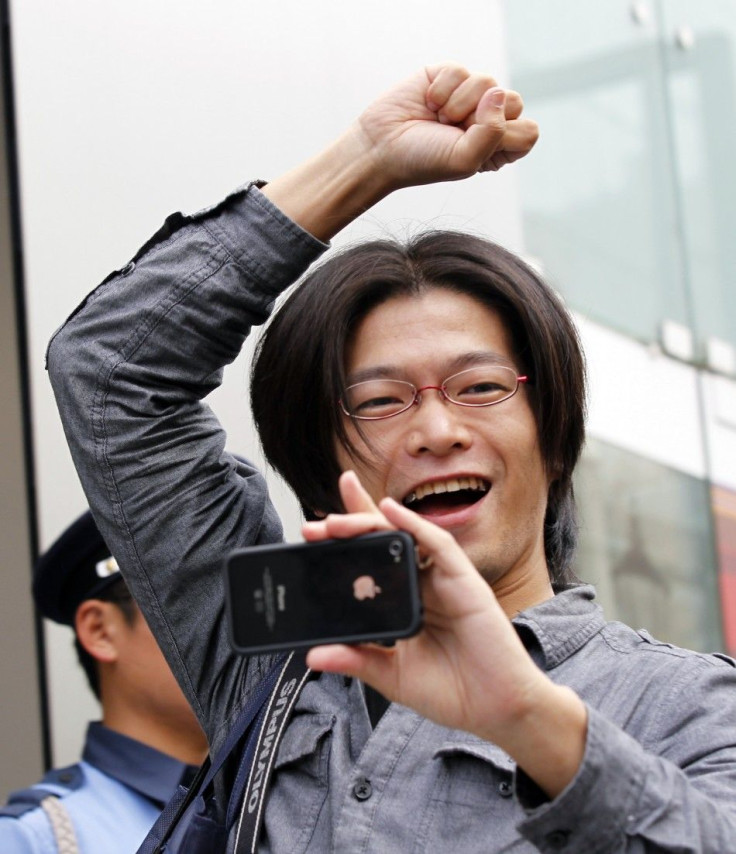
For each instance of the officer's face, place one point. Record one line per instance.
(143, 680)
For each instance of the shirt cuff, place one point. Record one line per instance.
(593, 812)
(260, 237)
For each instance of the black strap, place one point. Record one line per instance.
(262, 723)
(376, 704)
(259, 758)
(175, 810)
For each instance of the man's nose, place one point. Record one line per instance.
(435, 425)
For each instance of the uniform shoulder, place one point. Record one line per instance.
(58, 782)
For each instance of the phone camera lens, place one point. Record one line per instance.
(395, 548)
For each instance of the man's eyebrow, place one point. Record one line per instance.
(379, 372)
(454, 366)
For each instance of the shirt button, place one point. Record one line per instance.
(363, 789)
(128, 268)
(557, 839)
(505, 789)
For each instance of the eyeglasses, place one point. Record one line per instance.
(485, 385)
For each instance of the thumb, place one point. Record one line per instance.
(481, 140)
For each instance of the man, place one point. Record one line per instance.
(148, 740)
(443, 377)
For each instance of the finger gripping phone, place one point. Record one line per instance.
(286, 596)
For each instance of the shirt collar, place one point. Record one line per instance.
(557, 628)
(144, 769)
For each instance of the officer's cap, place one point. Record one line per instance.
(78, 566)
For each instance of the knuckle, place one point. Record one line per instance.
(455, 68)
(450, 77)
(453, 113)
(514, 101)
(485, 81)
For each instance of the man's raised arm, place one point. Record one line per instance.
(130, 368)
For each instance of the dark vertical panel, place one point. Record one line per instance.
(24, 745)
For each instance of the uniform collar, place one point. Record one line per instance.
(153, 774)
(557, 628)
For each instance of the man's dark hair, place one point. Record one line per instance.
(119, 595)
(298, 374)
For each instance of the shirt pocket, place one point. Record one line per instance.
(300, 783)
(472, 808)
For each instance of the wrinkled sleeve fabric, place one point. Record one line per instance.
(670, 789)
(130, 369)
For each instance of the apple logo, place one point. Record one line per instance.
(364, 587)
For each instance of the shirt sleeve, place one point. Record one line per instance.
(26, 835)
(130, 369)
(671, 789)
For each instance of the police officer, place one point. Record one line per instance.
(148, 740)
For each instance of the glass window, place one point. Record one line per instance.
(630, 196)
(598, 196)
(699, 42)
(647, 544)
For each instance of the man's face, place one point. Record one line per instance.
(481, 468)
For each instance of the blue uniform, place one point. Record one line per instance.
(112, 796)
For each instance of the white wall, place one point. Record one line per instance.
(131, 109)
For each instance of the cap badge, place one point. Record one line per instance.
(106, 568)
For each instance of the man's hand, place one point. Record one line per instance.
(467, 668)
(442, 124)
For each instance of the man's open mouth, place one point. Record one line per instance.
(446, 496)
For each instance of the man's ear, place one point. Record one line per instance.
(95, 626)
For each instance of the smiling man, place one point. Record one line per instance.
(436, 387)
(445, 346)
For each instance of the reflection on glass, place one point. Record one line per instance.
(598, 194)
(630, 197)
(647, 544)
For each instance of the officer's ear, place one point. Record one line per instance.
(96, 624)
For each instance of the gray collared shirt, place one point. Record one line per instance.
(130, 368)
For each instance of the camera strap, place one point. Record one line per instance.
(258, 759)
(189, 822)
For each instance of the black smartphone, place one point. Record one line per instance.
(286, 596)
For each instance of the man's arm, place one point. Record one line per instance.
(130, 370)
(597, 788)
(132, 365)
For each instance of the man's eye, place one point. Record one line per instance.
(377, 403)
(483, 388)
(487, 388)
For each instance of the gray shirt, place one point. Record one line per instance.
(130, 368)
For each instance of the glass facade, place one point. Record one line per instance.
(647, 544)
(632, 200)
(629, 209)
(698, 46)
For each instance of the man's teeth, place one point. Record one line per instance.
(454, 485)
